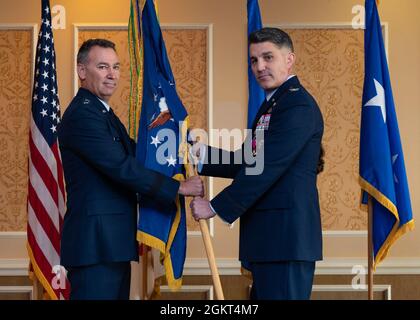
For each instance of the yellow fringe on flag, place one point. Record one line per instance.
(147, 239)
(396, 231)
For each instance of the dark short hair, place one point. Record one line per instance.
(274, 35)
(85, 48)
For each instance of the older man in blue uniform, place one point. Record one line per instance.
(280, 224)
(103, 182)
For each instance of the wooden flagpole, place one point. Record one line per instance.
(209, 248)
(36, 285)
(370, 249)
(145, 255)
(212, 261)
(370, 241)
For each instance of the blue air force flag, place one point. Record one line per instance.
(255, 92)
(161, 146)
(382, 170)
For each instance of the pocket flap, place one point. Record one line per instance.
(275, 200)
(105, 207)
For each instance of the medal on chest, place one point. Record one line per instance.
(262, 124)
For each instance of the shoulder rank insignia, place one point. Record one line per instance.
(294, 89)
(86, 101)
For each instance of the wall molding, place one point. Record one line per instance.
(207, 289)
(14, 267)
(200, 267)
(18, 289)
(9, 235)
(390, 266)
(231, 266)
(348, 288)
(344, 234)
(332, 266)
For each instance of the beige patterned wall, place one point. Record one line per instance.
(330, 64)
(15, 91)
(187, 51)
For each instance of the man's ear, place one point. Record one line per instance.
(81, 71)
(291, 59)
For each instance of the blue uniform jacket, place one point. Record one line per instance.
(279, 208)
(103, 179)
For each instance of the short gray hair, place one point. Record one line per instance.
(82, 55)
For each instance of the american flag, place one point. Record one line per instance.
(46, 205)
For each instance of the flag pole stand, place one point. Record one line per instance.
(370, 249)
(145, 256)
(35, 285)
(36, 289)
(209, 248)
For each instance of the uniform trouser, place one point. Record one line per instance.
(284, 280)
(107, 281)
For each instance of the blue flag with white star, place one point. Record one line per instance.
(161, 146)
(382, 170)
(255, 92)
